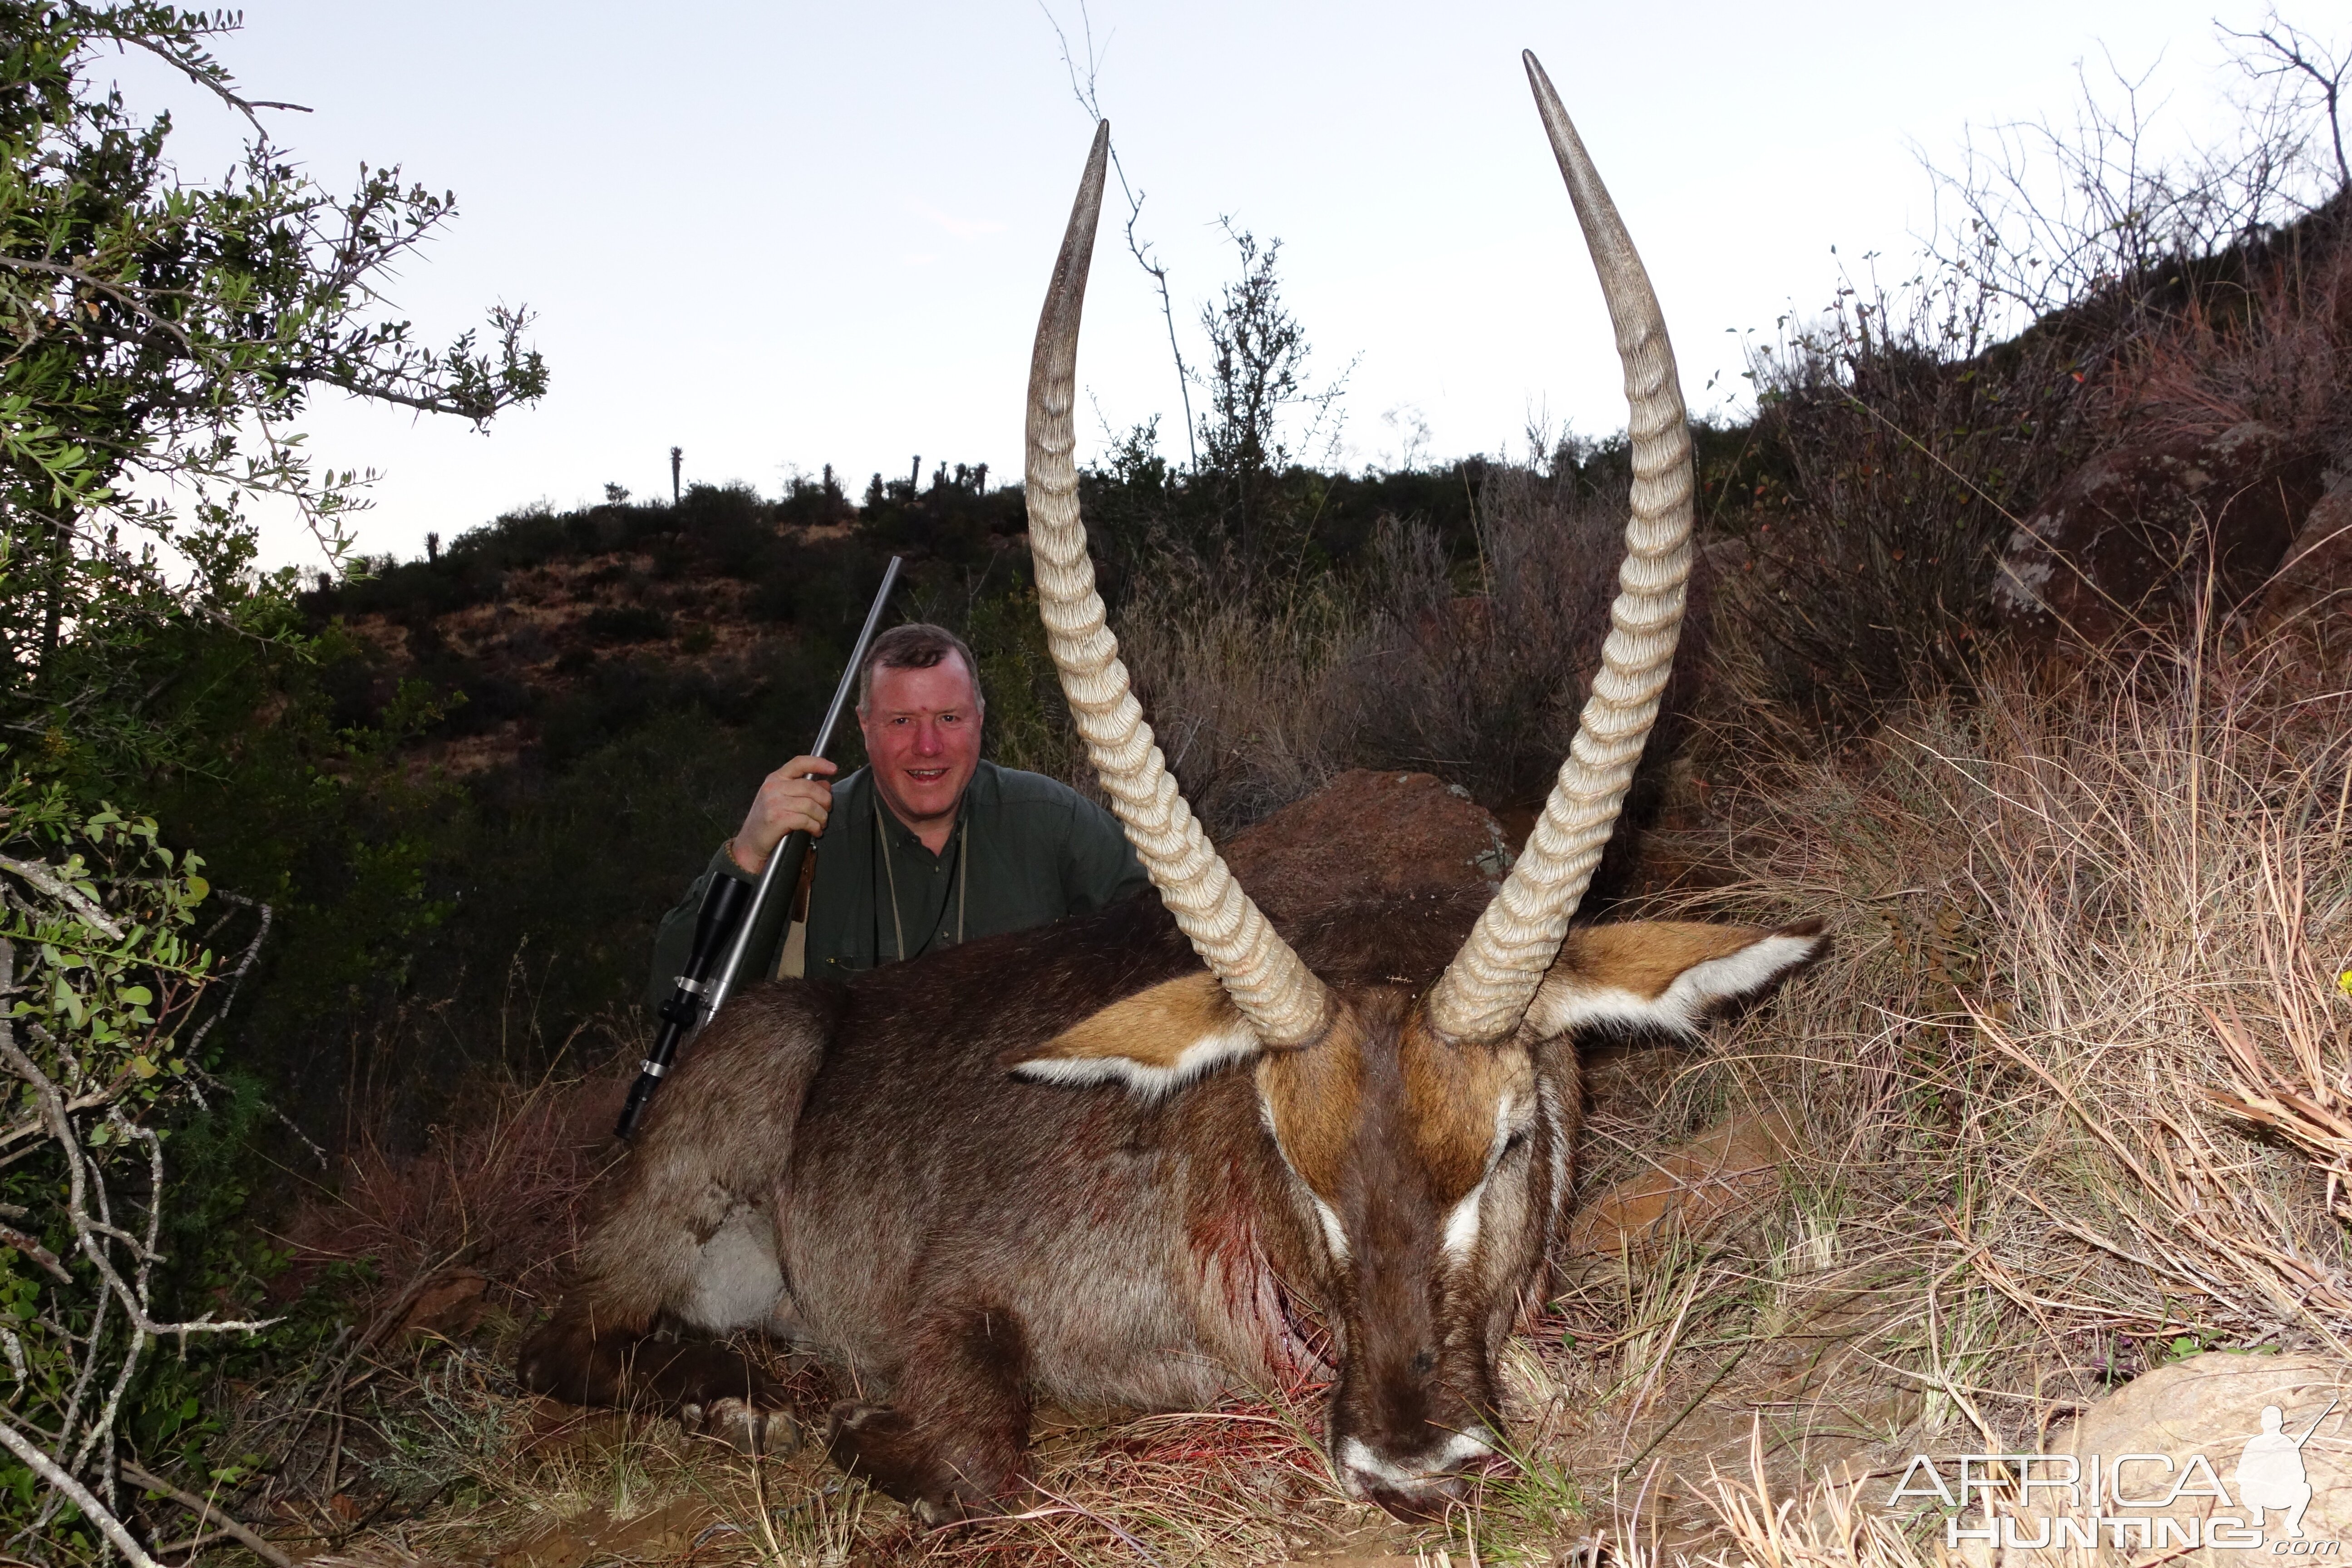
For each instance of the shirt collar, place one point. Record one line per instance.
(906, 837)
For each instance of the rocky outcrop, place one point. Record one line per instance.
(1368, 834)
(2313, 585)
(2130, 538)
(1726, 1171)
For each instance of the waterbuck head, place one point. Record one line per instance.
(1423, 1108)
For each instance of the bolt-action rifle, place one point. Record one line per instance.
(723, 926)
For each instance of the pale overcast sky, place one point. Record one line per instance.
(786, 234)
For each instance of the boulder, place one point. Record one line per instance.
(2129, 537)
(1368, 835)
(2210, 1408)
(448, 1307)
(2314, 582)
(1723, 1173)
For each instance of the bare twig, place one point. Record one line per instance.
(207, 1512)
(36, 1252)
(236, 976)
(2291, 52)
(83, 1498)
(47, 879)
(1084, 90)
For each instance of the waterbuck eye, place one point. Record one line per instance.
(1515, 1142)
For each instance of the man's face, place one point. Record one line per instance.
(922, 737)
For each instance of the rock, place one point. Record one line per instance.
(2314, 582)
(2210, 1408)
(1365, 835)
(2124, 539)
(1725, 1171)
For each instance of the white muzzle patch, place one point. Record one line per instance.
(1361, 1471)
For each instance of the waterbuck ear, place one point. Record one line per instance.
(1663, 974)
(1154, 1042)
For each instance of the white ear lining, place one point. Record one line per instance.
(1752, 967)
(1562, 1005)
(1235, 1042)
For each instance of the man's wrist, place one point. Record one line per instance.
(737, 860)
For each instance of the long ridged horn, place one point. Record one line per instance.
(1285, 1002)
(1491, 981)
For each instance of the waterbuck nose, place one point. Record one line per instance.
(1417, 1486)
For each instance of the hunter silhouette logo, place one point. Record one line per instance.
(2131, 1501)
(2271, 1473)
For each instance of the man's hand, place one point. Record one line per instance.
(794, 798)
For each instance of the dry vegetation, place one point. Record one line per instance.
(2069, 1099)
(1477, 675)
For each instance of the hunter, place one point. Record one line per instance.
(925, 846)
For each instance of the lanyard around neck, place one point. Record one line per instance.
(890, 876)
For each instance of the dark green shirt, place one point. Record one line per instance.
(1026, 849)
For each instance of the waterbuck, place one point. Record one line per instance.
(1128, 1159)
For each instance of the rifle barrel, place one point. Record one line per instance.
(724, 985)
(696, 1001)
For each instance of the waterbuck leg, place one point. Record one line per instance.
(681, 1240)
(716, 1392)
(949, 1444)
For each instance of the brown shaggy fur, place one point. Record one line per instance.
(855, 1169)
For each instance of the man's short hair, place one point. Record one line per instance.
(917, 645)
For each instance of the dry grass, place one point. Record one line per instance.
(503, 1192)
(1473, 670)
(1243, 697)
(2271, 347)
(2071, 916)
(2074, 1078)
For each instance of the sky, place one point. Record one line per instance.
(784, 235)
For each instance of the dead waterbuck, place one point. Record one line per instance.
(1075, 1163)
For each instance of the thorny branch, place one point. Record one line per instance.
(185, 57)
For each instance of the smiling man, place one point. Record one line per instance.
(928, 845)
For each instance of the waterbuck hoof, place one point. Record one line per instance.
(950, 1508)
(855, 1435)
(742, 1426)
(879, 1444)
